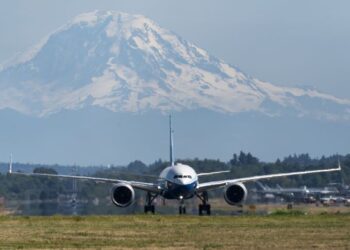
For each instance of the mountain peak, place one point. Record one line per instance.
(113, 20)
(128, 63)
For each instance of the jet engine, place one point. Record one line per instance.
(122, 195)
(235, 194)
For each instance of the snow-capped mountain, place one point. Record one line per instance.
(124, 62)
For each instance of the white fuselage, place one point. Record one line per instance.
(179, 181)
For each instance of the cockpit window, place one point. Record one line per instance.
(182, 176)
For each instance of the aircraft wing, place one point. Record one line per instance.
(217, 184)
(149, 187)
(212, 173)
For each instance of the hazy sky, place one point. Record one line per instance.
(285, 42)
(293, 43)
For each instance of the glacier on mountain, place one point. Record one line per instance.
(128, 63)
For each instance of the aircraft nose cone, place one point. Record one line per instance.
(182, 182)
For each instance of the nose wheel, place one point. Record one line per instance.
(149, 207)
(182, 210)
(204, 208)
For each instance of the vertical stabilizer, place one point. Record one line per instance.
(171, 143)
(10, 165)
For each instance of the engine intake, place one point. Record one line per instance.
(235, 194)
(122, 195)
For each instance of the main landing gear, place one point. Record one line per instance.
(149, 207)
(205, 206)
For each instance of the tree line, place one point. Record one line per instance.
(240, 165)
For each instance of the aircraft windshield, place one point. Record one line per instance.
(182, 176)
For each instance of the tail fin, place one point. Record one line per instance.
(10, 165)
(171, 143)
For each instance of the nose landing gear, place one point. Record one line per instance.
(182, 207)
(205, 206)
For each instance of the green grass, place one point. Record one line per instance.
(276, 231)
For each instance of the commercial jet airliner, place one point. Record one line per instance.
(180, 182)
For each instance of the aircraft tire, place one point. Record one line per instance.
(208, 209)
(149, 208)
(182, 210)
(200, 209)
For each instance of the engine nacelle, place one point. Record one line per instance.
(235, 194)
(122, 195)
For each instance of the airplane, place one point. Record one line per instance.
(178, 182)
(334, 200)
(301, 194)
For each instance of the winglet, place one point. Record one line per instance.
(339, 166)
(10, 165)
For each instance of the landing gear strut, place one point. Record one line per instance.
(149, 207)
(182, 207)
(205, 206)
